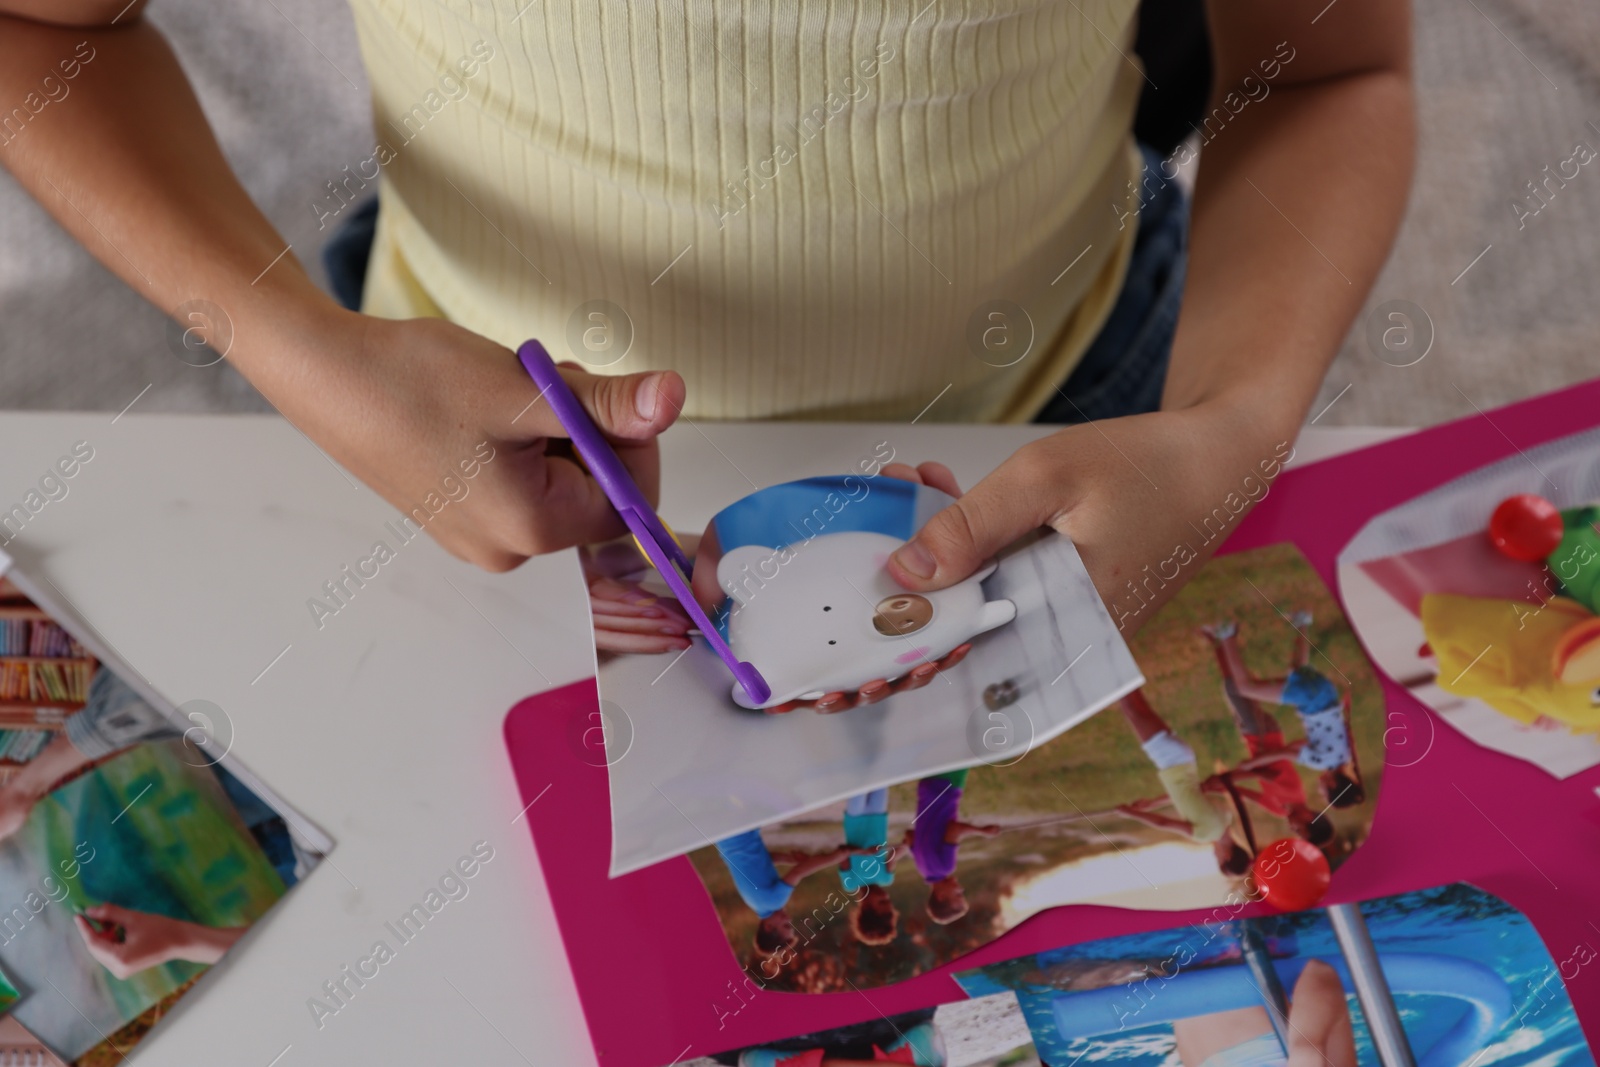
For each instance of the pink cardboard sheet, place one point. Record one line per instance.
(659, 984)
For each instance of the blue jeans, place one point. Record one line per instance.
(346, 254)
(1125, 366)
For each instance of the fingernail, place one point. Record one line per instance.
(915, 560)
(648, 397)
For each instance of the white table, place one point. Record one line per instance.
(191, 545)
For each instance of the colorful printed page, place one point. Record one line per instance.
(873, 686)
(1481, 598)
(1453, 810)
(1259, 722)
(1468, 981)
(133, 851)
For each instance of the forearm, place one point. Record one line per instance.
(126, 162)
(58, 760)
(1143, 718)
(76, 12)
(811, 865)
(205, 944)
(1161, 822)
(1297, 201)
(1266, 690)
(1255, 763)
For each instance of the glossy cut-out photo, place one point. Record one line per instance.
(1256, 738)
(871, 684)
(1468, 981)
(1482, 598)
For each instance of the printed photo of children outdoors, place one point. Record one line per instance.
(870, 684)
(1260, 722)
(131, 859)
(1482, 598)
(1469, 982)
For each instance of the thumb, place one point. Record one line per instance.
(628, 407)
(953, 544)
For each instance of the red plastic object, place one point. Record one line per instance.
(1292, 874)
(1526, 527)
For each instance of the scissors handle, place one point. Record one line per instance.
(660, 547)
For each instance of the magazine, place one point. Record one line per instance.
(135, 851)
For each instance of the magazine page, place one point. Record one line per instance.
(872, 685)
(1481, 598)
(1465, 979)
(134, 851)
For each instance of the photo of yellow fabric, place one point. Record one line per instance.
(1503, 652)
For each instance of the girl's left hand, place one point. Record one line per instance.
(1140, 497)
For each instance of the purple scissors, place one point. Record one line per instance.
(662, 549)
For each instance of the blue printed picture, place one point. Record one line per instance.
(1465, 979)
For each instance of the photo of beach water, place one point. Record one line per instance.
(1517, 992)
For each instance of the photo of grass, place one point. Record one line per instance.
(1083, 818)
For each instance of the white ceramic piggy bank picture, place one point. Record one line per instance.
(824, 616)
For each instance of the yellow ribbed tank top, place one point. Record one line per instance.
(809, 208)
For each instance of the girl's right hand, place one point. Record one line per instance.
(433, 416)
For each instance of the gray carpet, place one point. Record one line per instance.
(1506, 87)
